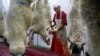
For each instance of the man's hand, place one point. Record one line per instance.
(54, 30)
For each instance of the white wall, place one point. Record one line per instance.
(4, 4)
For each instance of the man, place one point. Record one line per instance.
(60, 21)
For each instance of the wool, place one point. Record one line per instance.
(21, 18)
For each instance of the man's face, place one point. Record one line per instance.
(56, 9)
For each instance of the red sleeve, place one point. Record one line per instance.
(64, 18)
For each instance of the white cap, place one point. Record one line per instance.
(56, 5)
